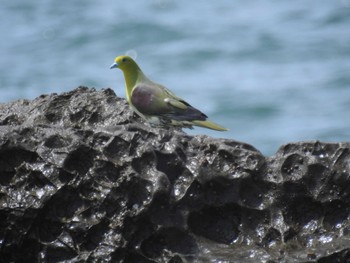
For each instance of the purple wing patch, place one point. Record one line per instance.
(150, 101)
(141, 98)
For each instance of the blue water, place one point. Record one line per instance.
(271, 71)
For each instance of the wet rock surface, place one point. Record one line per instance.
(82, 179)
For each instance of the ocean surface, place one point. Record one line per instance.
(271, 71)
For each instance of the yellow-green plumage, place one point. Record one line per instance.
(157, 104)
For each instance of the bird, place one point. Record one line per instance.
(155, 103)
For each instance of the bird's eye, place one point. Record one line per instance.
(124, 59)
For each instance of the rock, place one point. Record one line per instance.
(84, 179)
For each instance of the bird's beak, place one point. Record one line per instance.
(114, 65)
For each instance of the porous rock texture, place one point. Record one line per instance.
(82, 179)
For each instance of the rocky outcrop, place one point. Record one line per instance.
(82, 179)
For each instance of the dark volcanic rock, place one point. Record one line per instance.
(83, 179)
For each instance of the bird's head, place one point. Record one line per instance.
(125, 63)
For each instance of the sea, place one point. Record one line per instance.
(271, 71)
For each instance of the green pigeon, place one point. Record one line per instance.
(155, 103)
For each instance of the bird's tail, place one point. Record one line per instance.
(209, 125)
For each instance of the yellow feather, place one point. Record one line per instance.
(209, 125)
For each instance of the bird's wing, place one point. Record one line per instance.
(156, 100)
